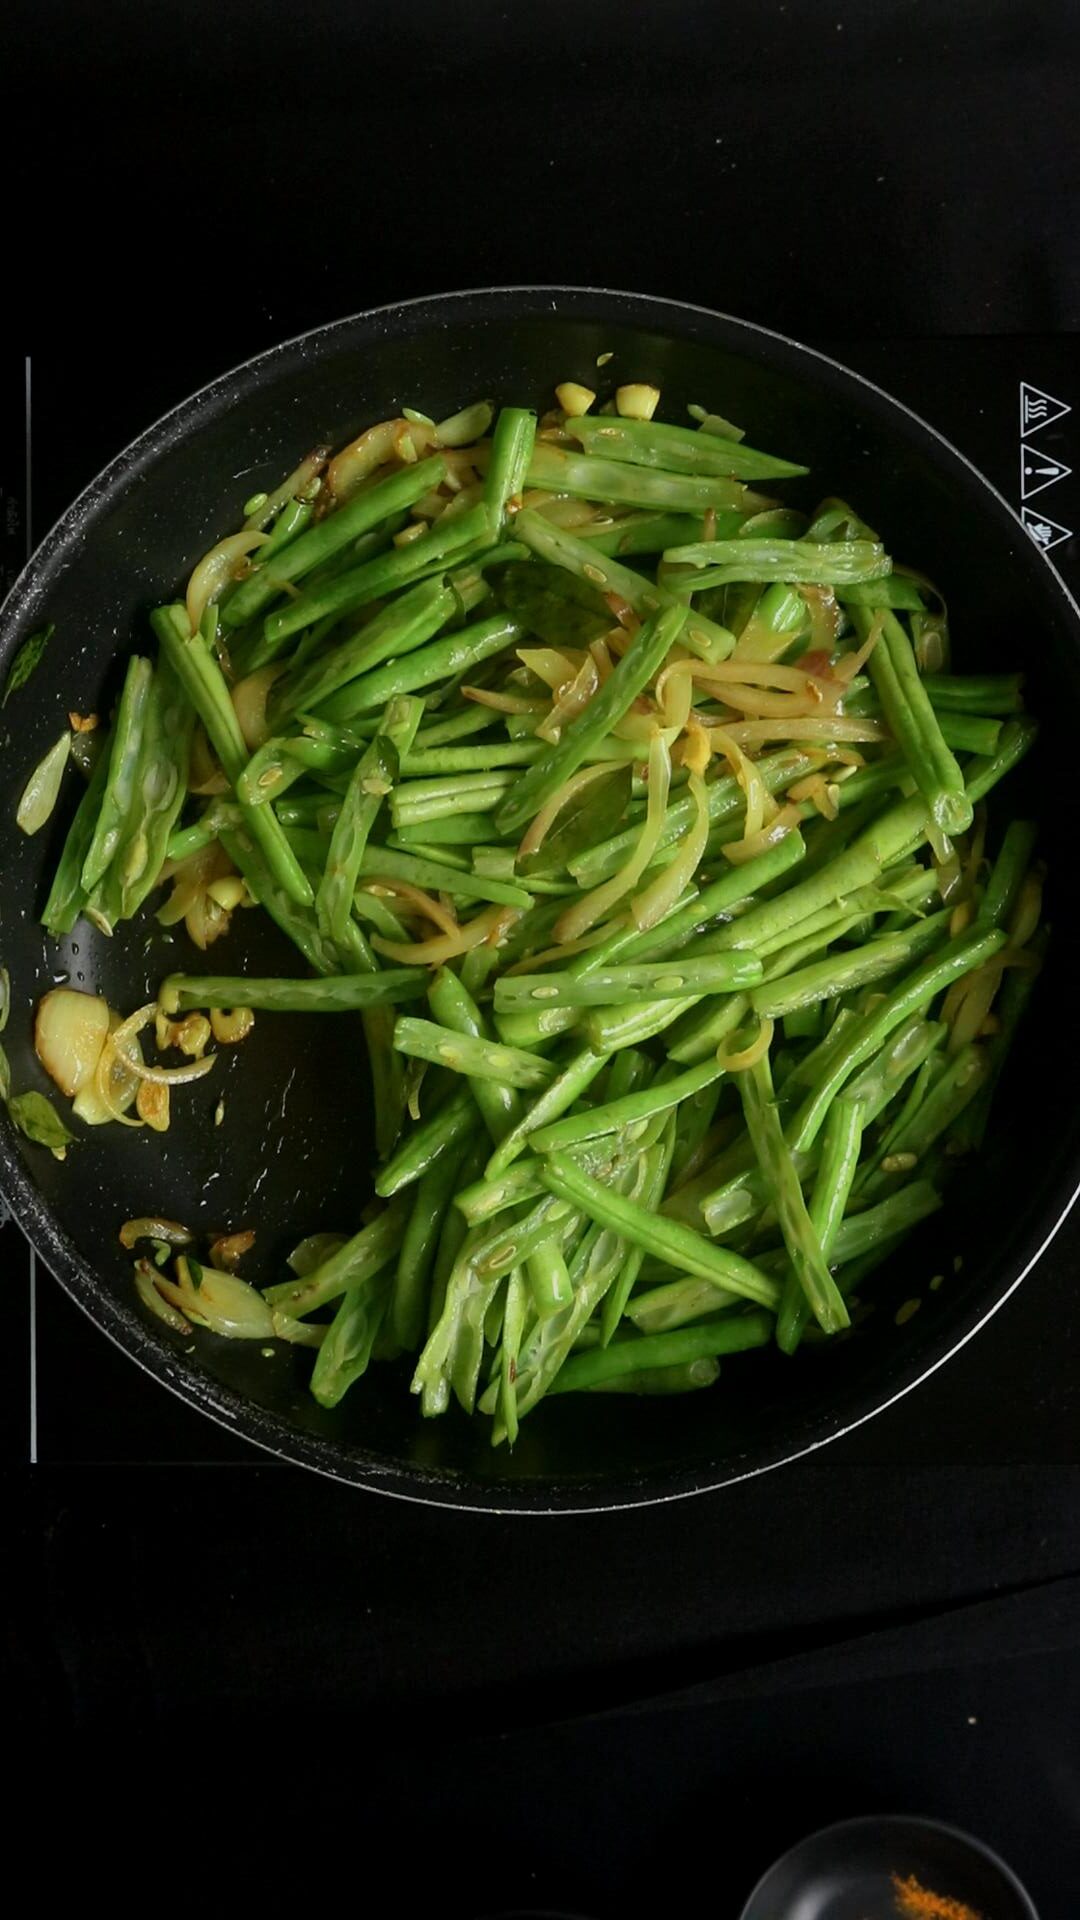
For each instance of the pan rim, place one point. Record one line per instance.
(229, 1408)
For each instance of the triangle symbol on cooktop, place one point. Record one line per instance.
(1039, 470)
(1045, 532)
(1038, 409)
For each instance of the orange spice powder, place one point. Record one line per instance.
(917, 1902)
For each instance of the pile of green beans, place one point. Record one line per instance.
(642, 821)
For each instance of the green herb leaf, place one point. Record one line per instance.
(25, 661)
(590, 817)
(37, 1118)
(560, 609)
(195, 1270)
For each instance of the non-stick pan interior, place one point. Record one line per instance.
(294, 1150)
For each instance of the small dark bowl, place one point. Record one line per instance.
(295, 1151)
(845, 1873)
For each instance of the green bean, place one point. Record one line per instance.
(184, 841)
(720, 973)
(452, 830)
(618, 1113)
(913, 722)
(345, 1354)
(454, 1008)
(431, 553)
(457, 726)
(203, 683)
(792, 562)
(331, 535)
(636, 533)
(674, 1303)
(401, 628)
(439, 1133)
(656, 1164)
(984, 771)
(511, 450)
(565, 1087)
(377, 862)
(646, 653)
(596, 1264)
(963, 1077)
(861, 1232)
(990, 693)
(344, 993)
(891, 591)
(836, 1171)
(651, 443)
(680, 1246)
(67, 895)
(352, 1265)
(124, 752)
(907, 1048)
(464, 1053)
(735, 1334)
(915, 991)
(785, 1192)
(416, 1258)
(372, 778)
(455, 653)
(157, 795)
(499, 753)
(549, 1279)
(827, 979)
(560, 470)
(691, 1377)
(1007, 873)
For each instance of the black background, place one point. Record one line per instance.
(892, 1623)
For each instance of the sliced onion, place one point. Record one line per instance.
(42, 790)
(674, 692)
(1027, 912)
(229, 1249)
(824, 617)
(146, 1286)
(759, 802)
(296, 487)
(572, 699)
(554, 956)
(249, 697)
(596, 905)
(425, 903)
(650, 906)
(216, 568)
(371, 449)
(435, 953)
(299, 1333)
(828, 727)
(853, 663)
(563, 511)
(815, 788)
(461, 429)
(739, 851)
(154, 1227)
(124, 1041)
(553, 665)
(739, 1061)
(115, 1085)
(221, 1302)
(502, 702)
(540, 825)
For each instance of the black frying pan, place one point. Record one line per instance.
(295, 1151)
